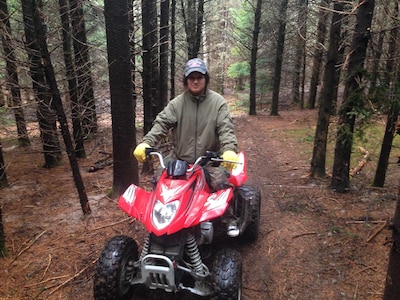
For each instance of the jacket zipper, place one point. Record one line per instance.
(195, 134)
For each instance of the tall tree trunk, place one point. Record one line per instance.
(193, 15)
(222, 55)
(58, 107)
(278, 58)
(12, 75)
(327, 97)
(319, 51)
(133, 51)
(340, 58)
(123, 119)
(3, 248)
(392, 285)
(300, 52)
(393, 88)
(173, 49)
(253, 60)
(352, 97)
(150, 74)
(377, 53)
(3, 174)
(386, 147)
(149, 27)
(71, 78)
(164, 51)
(83, 69)
(157, 104)
(45, 113)
(199, 24)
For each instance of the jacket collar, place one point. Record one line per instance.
(199, 98)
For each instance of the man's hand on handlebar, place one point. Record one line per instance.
(140, 152)
(230, 160)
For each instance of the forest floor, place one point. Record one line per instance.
(313, 243)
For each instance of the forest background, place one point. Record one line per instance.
(60, 58)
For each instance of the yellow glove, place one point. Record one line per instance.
(232, 157)
(140, 152)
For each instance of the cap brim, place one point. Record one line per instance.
(190, 71)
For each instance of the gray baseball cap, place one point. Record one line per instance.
(195, 65)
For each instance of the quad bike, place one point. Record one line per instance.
(182, 216)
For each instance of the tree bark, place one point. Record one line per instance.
(45, 113)
(72, 81)
(278, 58)
(3, 248)
(173, 50)
(392, 285)
(386, 147)
(377, 54)
(83, 69)
(193, 13)
(299, 60)
(58, 107)
(253, 60)
(12, 76)
(164, 51)
(352, 97)
(133, 53)
(122, 113)
(149, 28)
(318, 161)
(3, 174)
(393, 87)
(319, 51)
(156, 102)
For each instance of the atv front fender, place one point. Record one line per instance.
(134, 201)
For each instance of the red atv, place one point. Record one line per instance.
(182, 216)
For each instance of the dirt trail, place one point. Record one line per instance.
(310, 248)
(314, 244)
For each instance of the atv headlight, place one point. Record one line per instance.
(164, 213)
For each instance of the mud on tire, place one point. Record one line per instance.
(114, 268)
(227, 275)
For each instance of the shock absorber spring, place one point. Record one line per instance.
(145, 249)
(193, 252)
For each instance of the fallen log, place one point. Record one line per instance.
(102, 163)
(362, 163)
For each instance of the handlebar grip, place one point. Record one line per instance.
(150, 149)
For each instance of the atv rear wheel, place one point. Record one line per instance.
(227, 275)
(115, 268)
(251, 198)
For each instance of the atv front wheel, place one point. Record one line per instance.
(227, 275)
(115, 268)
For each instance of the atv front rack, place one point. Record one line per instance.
(158, 272)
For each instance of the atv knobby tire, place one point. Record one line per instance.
(227, 275)
(114, 269)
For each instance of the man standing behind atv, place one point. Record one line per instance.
(200, 122)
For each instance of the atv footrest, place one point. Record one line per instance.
(158, 272)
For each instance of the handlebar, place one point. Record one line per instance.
(209, 156)
(154, 151)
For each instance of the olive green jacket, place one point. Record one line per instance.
(198, 124)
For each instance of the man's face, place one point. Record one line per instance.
(196, 83)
